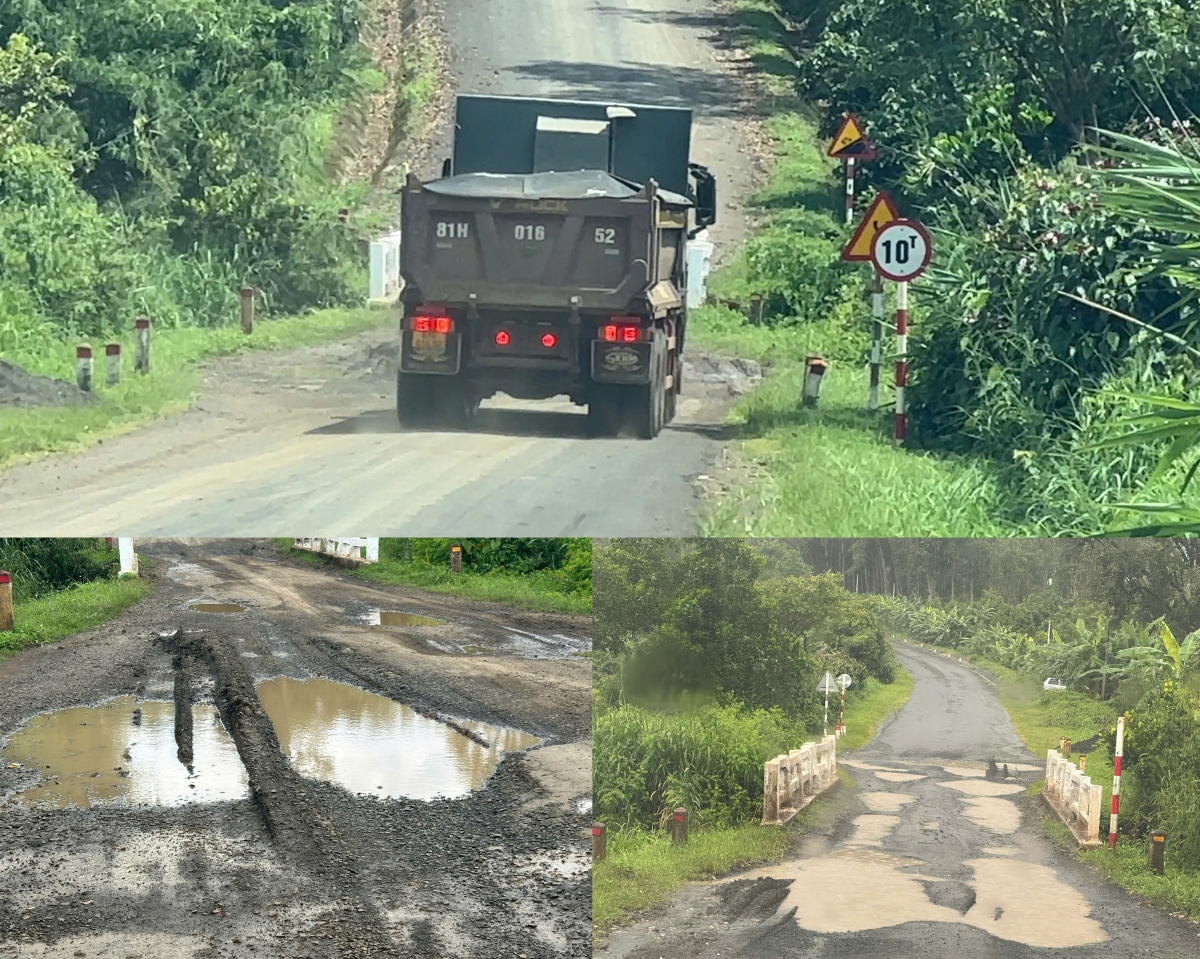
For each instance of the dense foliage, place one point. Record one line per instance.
(708, 656)
(567, 560)
(154, 154)
(989, 117)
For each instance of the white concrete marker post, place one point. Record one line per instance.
(83, 367)
(129, 562)
(142, 360)
(112, 364)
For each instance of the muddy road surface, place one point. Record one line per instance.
(274, 443)
(288, 778)
(937, 855)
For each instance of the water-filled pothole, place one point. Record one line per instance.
(370, 744)
(385, 617)
(217, 608)
(95, 754)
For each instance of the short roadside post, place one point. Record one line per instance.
(599, 842)
(901, 252)
(827, 685)
(1118, 752)
(6, 601)
(247, 309)
(679, 826)
(756, 309)
(814, 372)
(844, 681)
(129, 562)
(1156, 854)
(456, 558)
(141, 361)
(112, 364)
(83, 367)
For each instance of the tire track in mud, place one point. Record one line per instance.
(300, 832)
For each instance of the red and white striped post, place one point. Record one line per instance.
(842, 713)
(901, 360)
(850, 169)
(1116, 794)
(876, 342)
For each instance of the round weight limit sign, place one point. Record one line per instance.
(901, 250)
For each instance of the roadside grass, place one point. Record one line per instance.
(866, 712)
(55, 615)
(833, 470)
(542, 592)
(643, 868)
(168, 387)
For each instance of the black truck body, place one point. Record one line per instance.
(537, 266)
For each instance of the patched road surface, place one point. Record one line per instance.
(938, 856)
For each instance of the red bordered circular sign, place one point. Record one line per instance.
(901, 250)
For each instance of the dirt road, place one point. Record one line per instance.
(934, 858)
(277, 443)
(295, 733)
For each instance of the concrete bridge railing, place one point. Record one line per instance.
(1074, 797)
(791, 781)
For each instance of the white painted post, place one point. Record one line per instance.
(771, 793)
(129, 562)
(373, 550)
(876, 342)
(378, 283)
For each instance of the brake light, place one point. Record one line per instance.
(549, 341)
(432, 324)
(502, 338)
(621, 333)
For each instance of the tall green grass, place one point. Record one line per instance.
(65, 612)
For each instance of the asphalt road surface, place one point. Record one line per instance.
(933, 859)
(308, 440)
(275, 842)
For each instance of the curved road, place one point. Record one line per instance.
(308, 440)
(937, 859)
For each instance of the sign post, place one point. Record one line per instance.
(851, 146)
(881, 213)
(843, 681)
(901, 251)
(827, 685)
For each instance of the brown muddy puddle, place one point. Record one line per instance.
(367, 743)
(384, 617)
(89, 755)
(217, 608)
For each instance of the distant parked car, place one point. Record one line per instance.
(1054, 683)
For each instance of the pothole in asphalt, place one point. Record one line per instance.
(898, 777)
(217, 608)
(386, 617)
(584, 806)
(89, 755)
(886, 802)
(368, 743)
(564, 864)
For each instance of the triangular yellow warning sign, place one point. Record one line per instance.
(882, 212)
(851, 141)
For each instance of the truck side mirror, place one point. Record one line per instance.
(446, 167)
(706, 196)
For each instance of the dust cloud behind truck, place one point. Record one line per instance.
(550, 259)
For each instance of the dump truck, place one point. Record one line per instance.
(550, 259)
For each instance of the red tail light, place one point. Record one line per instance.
(502, 338)
(621, 333)
(549, 341)
(425, 323)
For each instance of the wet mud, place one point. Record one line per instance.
(289, 864)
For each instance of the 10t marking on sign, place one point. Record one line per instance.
(901, 250)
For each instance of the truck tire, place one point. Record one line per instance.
(646, 406)
(433, 401)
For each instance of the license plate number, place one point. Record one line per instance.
(429, 343)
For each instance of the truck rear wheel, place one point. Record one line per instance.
(646, 406)
(433, 401)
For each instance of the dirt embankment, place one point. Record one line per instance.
(301, 866)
